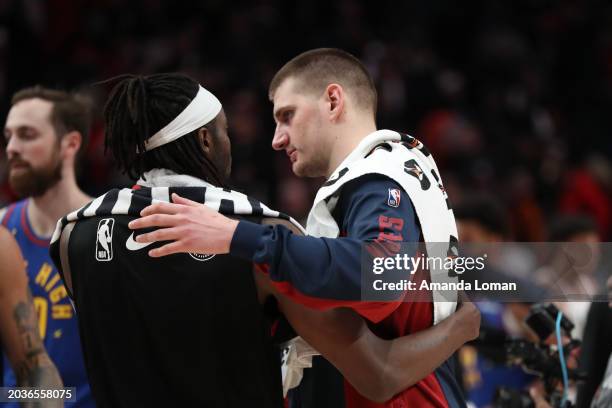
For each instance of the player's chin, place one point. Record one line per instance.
(305, 169)
(298, 169)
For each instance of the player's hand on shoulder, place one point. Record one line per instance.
(190, 226)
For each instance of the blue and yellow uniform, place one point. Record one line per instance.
(483, 376)
(56, 318)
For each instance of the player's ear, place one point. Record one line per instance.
(205, 140)
(71, 142)
(335, 98)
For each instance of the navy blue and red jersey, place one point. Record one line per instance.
(56, 318)
(325, 273)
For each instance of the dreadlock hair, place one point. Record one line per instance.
(137, 108)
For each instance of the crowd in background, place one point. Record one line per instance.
(513, 98)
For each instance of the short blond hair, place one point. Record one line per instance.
(314, 70)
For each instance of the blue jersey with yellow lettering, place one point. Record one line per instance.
(57, 321)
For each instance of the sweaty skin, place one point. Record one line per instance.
(19, 333)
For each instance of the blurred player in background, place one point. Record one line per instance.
(19, 332)
(45, 130)
(382, 185)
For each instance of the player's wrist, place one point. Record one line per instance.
(469, 322)
(246, 239)
(458, 328)
(232, 225)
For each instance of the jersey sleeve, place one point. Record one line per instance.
(324, 273)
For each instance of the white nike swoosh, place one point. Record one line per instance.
(135, 246)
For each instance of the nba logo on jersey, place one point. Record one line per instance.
(104, 240)
(394, 197)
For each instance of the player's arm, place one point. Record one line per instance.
(320, 268)
(377, 368)
(322, 272)
(316, 268)
(19, 323)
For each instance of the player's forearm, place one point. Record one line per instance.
(411, 358)
(37, 370)
(379, 369)
(30, 361)
(317, 267)
(339, 336)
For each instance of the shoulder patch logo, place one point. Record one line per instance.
(395, 196)
(201, 257)
(104, 240)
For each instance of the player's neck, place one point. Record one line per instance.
(348, 137)
(59, 200)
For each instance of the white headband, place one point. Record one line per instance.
(201, 110)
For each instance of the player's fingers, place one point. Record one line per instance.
(155, 220)
(161, 208)
(177, 199)
(162, 234)
(168, 249)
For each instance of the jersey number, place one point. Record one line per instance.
(386, 223)
(42, 309)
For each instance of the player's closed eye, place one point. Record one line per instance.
(287, 116)
(28, 134)
(25, 133)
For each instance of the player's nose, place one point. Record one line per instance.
(12, 147)
(280, 139)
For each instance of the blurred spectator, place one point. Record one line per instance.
(587, 191)
(572, 267)
(595, 355)
(481, 219)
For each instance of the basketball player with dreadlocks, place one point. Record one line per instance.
(381, 185)
(44, 131)
(190, 329)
